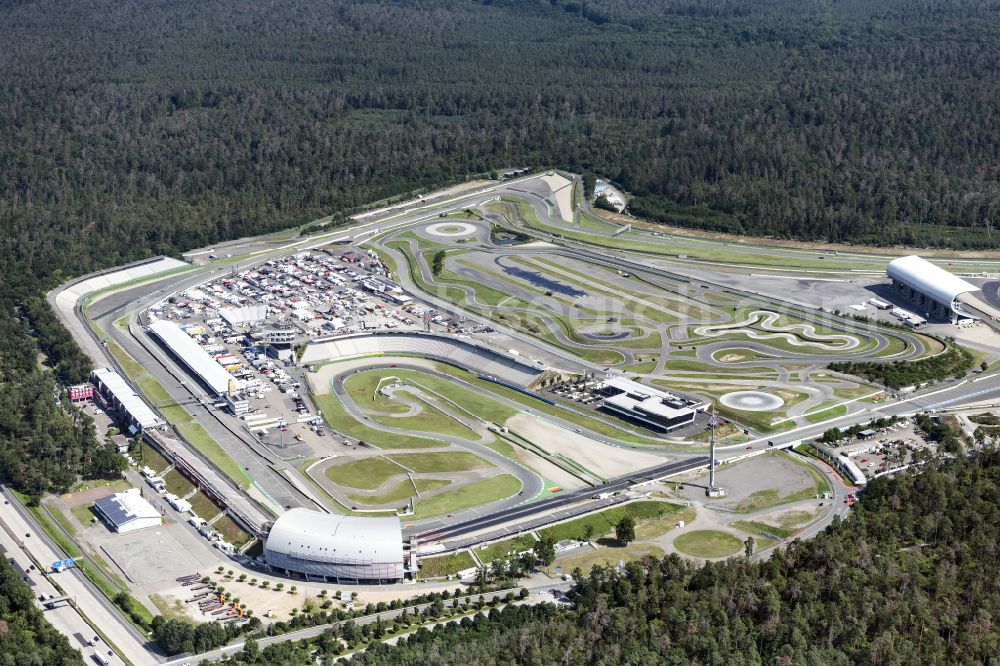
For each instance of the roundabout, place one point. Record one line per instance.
(450, 229)
(752, 401)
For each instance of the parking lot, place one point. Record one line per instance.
(251, 322)
(885, 449)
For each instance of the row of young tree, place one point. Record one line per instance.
(953, 363)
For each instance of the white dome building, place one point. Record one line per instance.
(336, 547)
(929, 286)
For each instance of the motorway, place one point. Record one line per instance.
(92, 606)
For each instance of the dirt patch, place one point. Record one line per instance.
(86, 496)
(547, 470)
(281, 602)
(562, 190)
(790, 518)
(608, 461)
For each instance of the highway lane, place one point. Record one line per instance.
(91, 602)
(65, 617)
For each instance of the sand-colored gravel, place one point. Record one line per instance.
(608, 461)
(562, 190)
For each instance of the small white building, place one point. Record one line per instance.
(127, 512)
(179, 504)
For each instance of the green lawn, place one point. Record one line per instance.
(654, 527)
(171, 611)
(604, 522)
(198, 437)
(429, 420)
(118, 485)
(340, 421)
(707, 543)
(150, 457)
(445, 565)
(399, 492)
(472, 494)
(826, 410)
(63, 520)
(231, 532)
(128, 364)
(203, 506)
(177, 484)
(363, 389)
(762, 529)
(364, 474)
(481, 406)
(450, 461)
(503, 548)
(83, 513)
(604, 556)
(856, 391)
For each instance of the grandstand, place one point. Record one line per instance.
(440, 347)
(67, 299)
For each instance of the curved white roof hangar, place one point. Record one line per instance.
(322, 544)
(923, 276)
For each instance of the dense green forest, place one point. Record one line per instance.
(908, 578)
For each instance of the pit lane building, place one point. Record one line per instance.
(195, 359)
(338, 548)
(127, 406)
